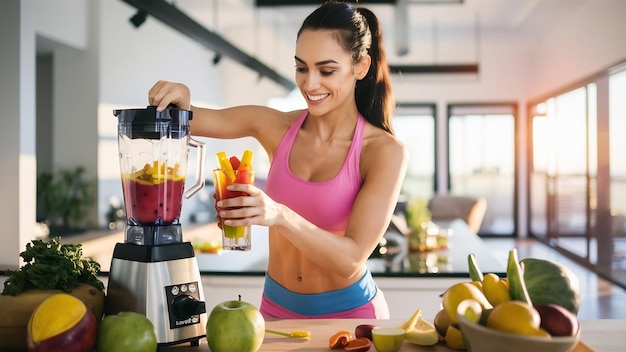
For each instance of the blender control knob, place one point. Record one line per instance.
(186, 306)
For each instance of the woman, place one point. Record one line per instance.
(336, 168)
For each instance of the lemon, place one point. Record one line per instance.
(459, 292)
(387, 339)
(454, 338)
(516, 317)
(422, 333)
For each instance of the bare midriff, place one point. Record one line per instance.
(293, 270)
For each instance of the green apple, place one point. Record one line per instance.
(128, 332)
(235, 326)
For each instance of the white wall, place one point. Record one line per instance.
(63, 21)
(17, 142)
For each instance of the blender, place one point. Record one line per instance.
(153, 272)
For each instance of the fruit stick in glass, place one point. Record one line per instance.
(232, 170)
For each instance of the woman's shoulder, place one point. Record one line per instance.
(381, 147)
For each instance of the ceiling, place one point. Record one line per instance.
(427, 20)
(448, 14)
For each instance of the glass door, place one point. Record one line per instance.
(481, 159)
(617, 174)
(414, 125)
(563, 189)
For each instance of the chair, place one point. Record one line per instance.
(446, 208)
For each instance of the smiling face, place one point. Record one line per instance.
(325, 72)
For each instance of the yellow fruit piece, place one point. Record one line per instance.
(495, 289)
(246, 160)
(226, 166)
(516, 317)
(459, 292)
(55, 315)
(478, 284)
(454, 338)
(412, 320)
(423, 333)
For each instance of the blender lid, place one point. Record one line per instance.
(149, 123)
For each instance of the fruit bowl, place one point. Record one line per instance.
(482, 339)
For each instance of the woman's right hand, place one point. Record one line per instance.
(164, 93)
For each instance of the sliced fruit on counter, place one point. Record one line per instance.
(62, 322)
(360, 344)
(339, 340)
(364, 330)
(419, 331)
(388, 339)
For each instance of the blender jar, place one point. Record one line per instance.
(154, 147)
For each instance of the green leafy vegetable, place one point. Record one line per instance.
(50, 265)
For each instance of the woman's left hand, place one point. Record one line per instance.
(257, 208)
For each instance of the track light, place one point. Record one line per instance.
(217, 58)
(139, 18)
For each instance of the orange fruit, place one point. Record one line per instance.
(339, 340)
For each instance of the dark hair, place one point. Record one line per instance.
(359, 33)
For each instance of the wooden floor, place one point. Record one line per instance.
(600, 299)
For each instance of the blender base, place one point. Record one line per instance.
(164, 284)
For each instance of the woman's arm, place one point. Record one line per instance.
(265, 124)
(383, 172)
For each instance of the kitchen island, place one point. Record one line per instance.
(606, 335)
(406, 278)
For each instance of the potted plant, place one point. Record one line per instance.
(49, 268)
(63, 199)
(418, 217)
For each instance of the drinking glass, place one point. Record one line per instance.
(234, 238)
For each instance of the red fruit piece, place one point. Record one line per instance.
(243, 176)
(364, 330)
(234, 161)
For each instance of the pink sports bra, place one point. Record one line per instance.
(326, 204)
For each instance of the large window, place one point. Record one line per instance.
(617, 174)
(481, 159)
(564, 169)
(414, 125)
(578, 173)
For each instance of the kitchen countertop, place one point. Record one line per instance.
(606, 335)
(396, 262)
